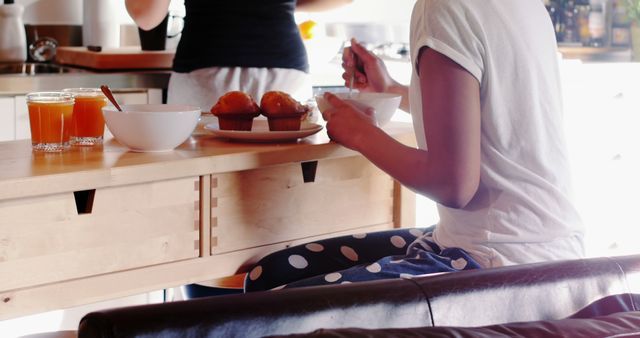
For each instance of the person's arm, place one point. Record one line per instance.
(319, 5)
(449, 171)
(371, 74)
(147, 14)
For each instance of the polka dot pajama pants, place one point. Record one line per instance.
(369, 256)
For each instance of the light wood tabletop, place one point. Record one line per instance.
(97, 223)
(25, 173)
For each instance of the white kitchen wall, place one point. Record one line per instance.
(62, 12)
(52, 12)
(381, 11)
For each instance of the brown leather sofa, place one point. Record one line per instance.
(594, 297)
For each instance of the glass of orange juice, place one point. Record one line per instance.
(88, 121)
(50, 116)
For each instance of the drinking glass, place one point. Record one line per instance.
(50, 116)
(88, 121)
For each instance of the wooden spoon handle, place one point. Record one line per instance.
(107, 92)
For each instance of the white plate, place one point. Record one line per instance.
(260, 132)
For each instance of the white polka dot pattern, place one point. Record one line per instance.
(314, 247)
(255, 273)
(459, 263)
(333, 277)
(398, 241)
(348, 252)
(298, 261)
(415, 232)
(374, 268)
(418, 261)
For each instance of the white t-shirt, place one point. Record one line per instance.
(522, 211)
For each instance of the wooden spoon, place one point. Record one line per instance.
(107, 92)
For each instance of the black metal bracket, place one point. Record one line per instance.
(309, 171)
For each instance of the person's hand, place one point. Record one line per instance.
(347, 121)
(371, 74)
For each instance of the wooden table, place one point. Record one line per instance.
(93, 224)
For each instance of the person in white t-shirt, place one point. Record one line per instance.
(485, 99)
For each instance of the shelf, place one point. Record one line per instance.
(616, 54)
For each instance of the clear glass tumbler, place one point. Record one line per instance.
(88, 121)
(50, 117)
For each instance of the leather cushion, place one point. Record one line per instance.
(622, 324)
(522, 293)
(376, 304)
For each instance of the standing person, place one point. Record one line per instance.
(248, 45)
(485, 99)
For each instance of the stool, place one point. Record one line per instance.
(217, 287)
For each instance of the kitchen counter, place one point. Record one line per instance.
(93, 224)
(20, 83)
(321, 75)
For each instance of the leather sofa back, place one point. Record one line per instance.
(396, 303)
(621, 324)
(542, 291)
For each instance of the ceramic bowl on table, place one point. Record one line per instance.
(152, 127)
(384, 104)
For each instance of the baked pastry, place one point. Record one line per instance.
(235, 111)
(282, 111)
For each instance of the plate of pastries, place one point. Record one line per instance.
(285, 118)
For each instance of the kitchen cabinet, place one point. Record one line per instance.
(94, 224)
(21, 112)
(244, 216)
(96, 231)
(7, 119)
(602, 109)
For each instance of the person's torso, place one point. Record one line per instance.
(240, 33)
(523, 197)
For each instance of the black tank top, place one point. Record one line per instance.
(240, 33)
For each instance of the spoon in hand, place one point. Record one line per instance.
(356, 67)
(107, 92)
(353, 76)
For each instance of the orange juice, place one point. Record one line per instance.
(88, 122)
(50, 117)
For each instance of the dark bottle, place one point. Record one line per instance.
(620, 25)
(597, 25)
(583, 8)
(571, 30)
(554, 7)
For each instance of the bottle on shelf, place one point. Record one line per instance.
(554, 7)
(597, 24)
(571, 26)
(620, 25)
(570, 19)
(583, 8)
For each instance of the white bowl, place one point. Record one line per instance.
(384, 104)
(151, 127)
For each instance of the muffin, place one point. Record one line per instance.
(282, 111)
(235, 111)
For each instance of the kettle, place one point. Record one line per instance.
(13, 39)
